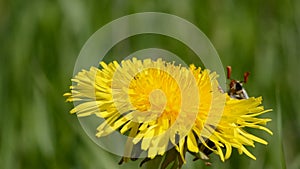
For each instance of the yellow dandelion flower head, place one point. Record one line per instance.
(160, 106)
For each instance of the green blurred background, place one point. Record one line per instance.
(41, 39)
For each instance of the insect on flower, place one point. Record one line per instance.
(140, 98)
(236, 89)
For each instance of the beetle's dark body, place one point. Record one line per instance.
(236, 90)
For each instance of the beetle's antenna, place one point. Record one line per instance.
(246, 75)
(228, 72)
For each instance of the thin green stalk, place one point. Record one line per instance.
(279, 128)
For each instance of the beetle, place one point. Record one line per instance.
(236, 89)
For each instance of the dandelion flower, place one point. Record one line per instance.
(166, 110)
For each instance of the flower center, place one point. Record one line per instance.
(158, 102)
(156, 94)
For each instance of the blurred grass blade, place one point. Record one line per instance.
(279, 128)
